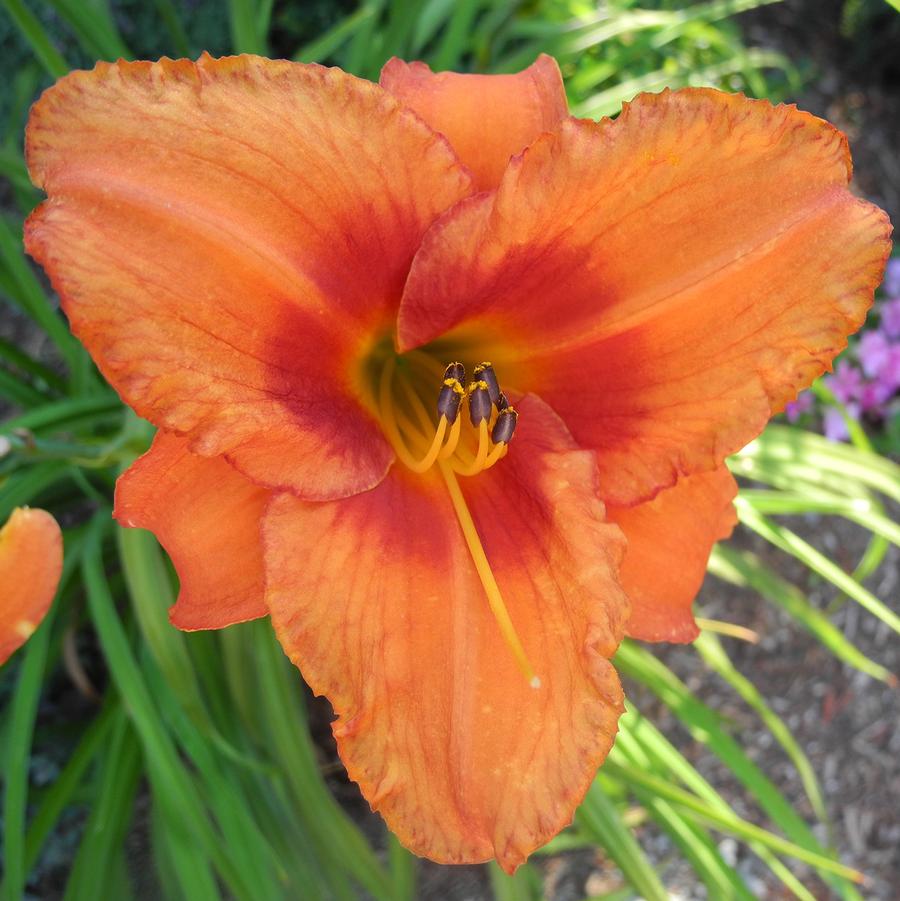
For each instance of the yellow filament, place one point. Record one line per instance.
(449, 449)
(393, 431)
(481, 456)
(428, 460)
(452, 444)
(483, 567)
(732, 630)
(497, 454)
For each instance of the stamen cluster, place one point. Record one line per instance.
(490, 414)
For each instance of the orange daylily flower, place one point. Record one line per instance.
(280, 266)
(31, 557)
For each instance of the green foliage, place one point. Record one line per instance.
(210, 730)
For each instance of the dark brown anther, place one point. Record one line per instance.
(456, 371)
(479, 402)
(505, 426)
(484, 372)
(501, 403)
(449, 399)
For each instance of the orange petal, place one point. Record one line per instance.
(487, 118)
(227, 238)
(388, 618)
(31, 557)
(669, 542)
(208, 518)
(665, 281)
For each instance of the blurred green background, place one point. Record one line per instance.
(140, 762)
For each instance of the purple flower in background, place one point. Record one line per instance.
(874, 394)
(834, 425)
(874, 353)
(891, 284)
(890, 318)
(889, 375)
(846, 384)
(796, 408)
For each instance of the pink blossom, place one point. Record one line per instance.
(891, 284)
(874, 394)
(834, 425)
(846, 384)
(890, 318)
(874, 352)
(796, 408)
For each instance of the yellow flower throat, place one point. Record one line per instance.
(421, 445)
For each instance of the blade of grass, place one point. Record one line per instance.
(784, 444)
(12, 166)
(710, 649)
(858, 510)
(703, 724)
(746, 570)
(599, 818)
(403, 866)
(432, 17)
(20, 360)
(221, 793)
(335, 37)
(730, 823)
(721, 880)
(22, 488)
(110, 813)
(523, 885)
(19, 392)
(71, 413)
(93, 26)
(169, 15)
(292, 750)
(363, 55)
(31, 297)
(639, 735)
(21, 729)
(183, 873)
(63, 789)
(455, 37)
(170, 782)
(245, 34)
(794, 545)
(15, 764)
(38, 39)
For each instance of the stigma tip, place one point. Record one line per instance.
(535, 682)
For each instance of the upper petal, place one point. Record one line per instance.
(31, 557)
(665, 281)
(208, 517)
(487, 118)
(669, 542)
(388, 618)
(228, 237)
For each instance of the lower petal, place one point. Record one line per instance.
(669, 542)
(31, 556)
(207, 516)
(389, 619)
